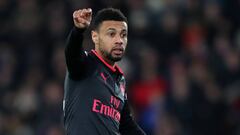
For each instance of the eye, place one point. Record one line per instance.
(123, 35)
(111, 34)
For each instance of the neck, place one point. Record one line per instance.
(104, 58)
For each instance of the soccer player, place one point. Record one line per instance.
(95, 100)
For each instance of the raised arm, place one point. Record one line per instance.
(74, 53)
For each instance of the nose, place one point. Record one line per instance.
(119, 40)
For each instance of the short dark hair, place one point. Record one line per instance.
(107, 14)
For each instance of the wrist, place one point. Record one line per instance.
(79, 30)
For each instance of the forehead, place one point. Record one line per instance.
(118, 25)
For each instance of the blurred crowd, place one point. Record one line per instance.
(182, 64)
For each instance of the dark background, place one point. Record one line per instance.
(182, 64)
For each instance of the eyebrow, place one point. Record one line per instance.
(112, 29)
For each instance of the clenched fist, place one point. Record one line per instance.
(82, 18)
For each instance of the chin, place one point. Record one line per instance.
(116, 59)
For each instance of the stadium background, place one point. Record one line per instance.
(182, 64)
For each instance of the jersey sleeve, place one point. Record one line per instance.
(127, 125)
(74, 54)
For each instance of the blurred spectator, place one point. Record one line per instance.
(58, 67)
(169, 126)
(148, 89)
(7, 66)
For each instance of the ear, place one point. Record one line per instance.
(94, 37)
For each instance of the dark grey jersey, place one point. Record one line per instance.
(95, 100)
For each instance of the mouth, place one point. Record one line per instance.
(118, 51)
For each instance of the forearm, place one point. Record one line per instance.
(74, 53)
(74, 43)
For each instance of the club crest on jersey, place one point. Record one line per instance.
(122, 88)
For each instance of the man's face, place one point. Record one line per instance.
(111, 39)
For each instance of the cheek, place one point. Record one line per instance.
(109, 43)
(125, 43)
(106, 44)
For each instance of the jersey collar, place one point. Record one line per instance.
(113, 68)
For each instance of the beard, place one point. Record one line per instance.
(110, 56)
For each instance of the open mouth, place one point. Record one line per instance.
(117, 51)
